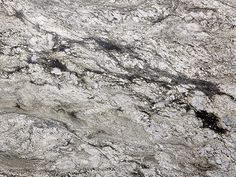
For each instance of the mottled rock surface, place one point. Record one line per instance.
(119, 88)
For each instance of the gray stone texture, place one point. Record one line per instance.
(117, 88)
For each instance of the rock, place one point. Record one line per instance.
(117, 88)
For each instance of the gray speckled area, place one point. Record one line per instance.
(119, 88)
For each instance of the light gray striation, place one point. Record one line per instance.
(117, 88)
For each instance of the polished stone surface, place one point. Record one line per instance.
(118, 88)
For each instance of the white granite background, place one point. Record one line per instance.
(119, 88)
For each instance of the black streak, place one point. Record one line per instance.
(52, 63)
(210, 121)
(57, 64)
(108, 45)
